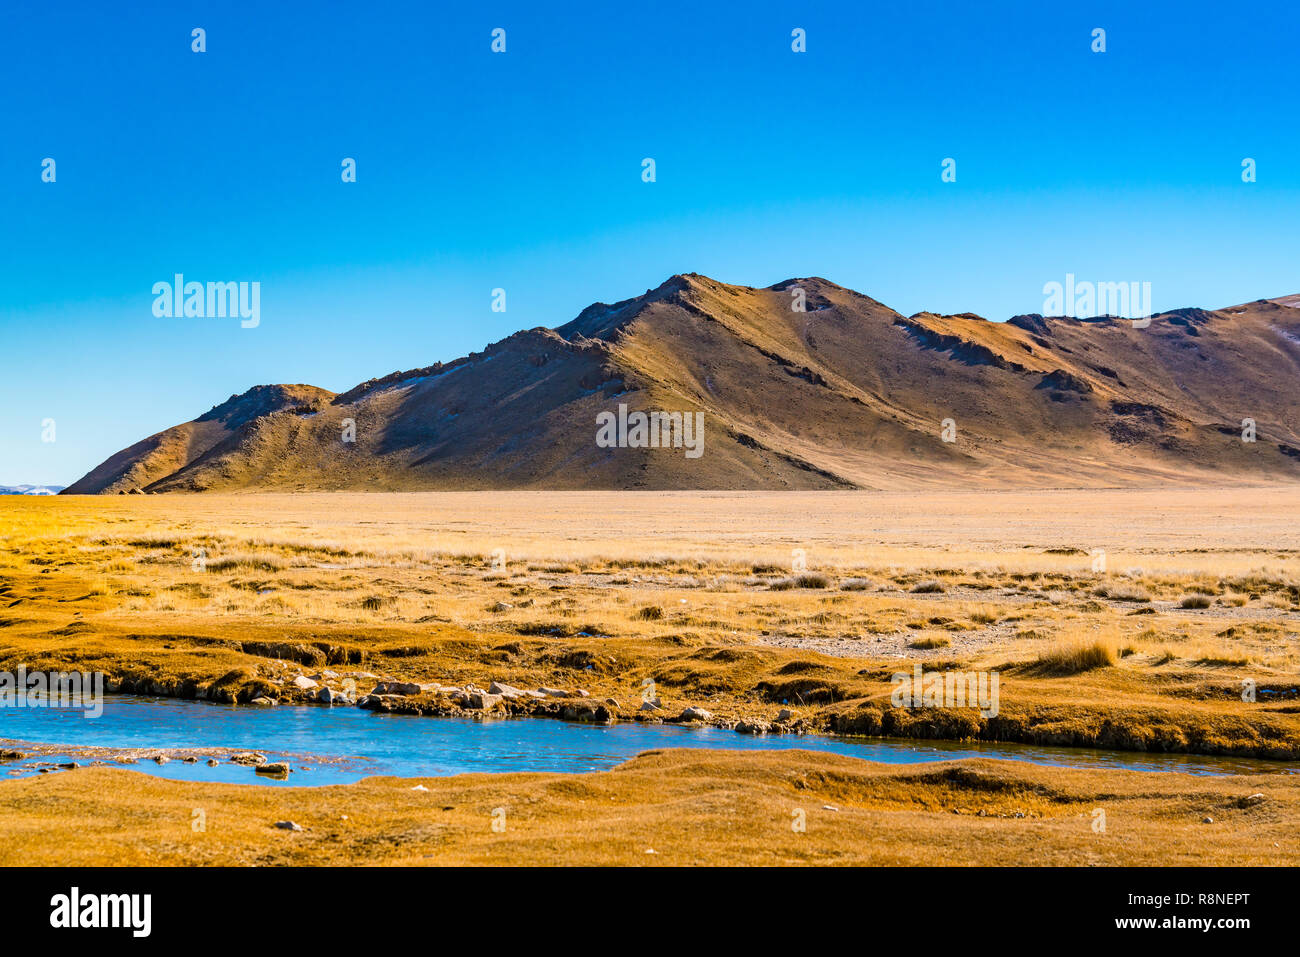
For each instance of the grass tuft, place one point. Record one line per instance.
(1074, 657)
(931, 642)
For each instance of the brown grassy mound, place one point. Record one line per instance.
(674, 808)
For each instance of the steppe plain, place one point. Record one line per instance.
(1127, 619)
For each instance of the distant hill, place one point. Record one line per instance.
(30, 489)
(846, 394)
(193, 446)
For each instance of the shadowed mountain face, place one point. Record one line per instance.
(844, 394)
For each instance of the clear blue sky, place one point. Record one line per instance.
(523, 171)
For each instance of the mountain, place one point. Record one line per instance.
(30, 489)
(845, 394)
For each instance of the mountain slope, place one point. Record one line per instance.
(181, 447)
(847, 393)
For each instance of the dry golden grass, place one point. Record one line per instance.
(697, 592)
(674, 808)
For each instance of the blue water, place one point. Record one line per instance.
(342, 744)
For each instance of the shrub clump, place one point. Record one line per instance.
(807, 580)
(857, 584)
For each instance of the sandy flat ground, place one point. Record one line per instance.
(844, 524)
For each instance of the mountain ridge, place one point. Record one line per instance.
(845, 393)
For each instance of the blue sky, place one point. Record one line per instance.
(522, 171)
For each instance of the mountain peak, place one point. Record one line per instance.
(262, 399)
(813, 282)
